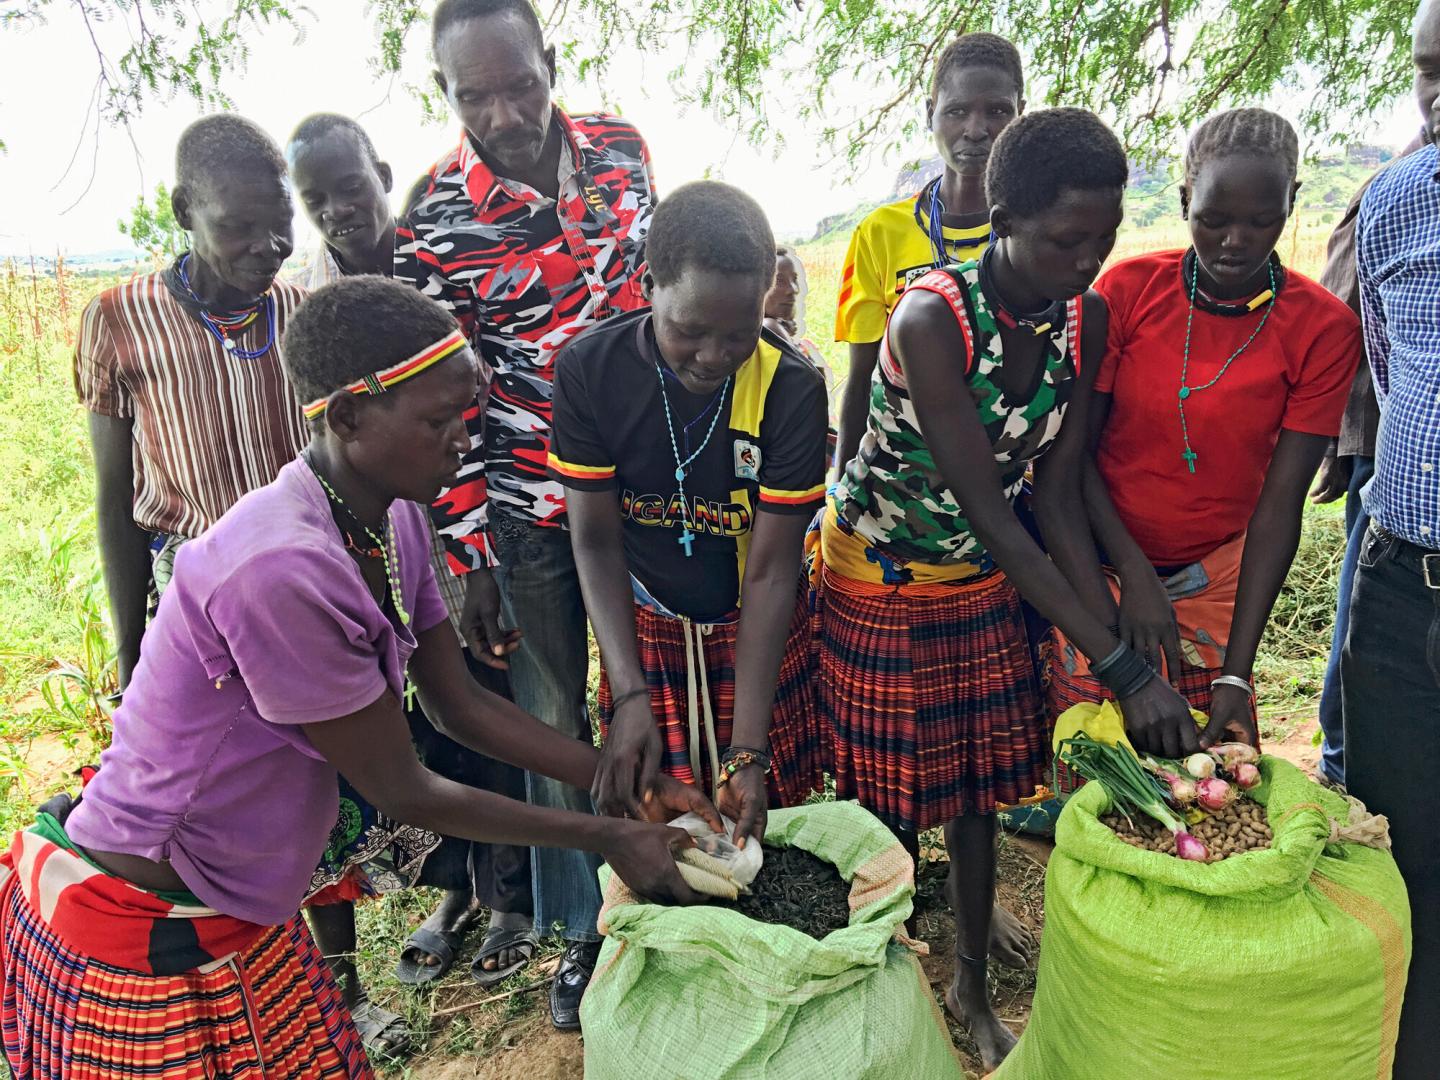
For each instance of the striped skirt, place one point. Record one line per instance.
(690, 670)
(931, 695)
(271, 1011)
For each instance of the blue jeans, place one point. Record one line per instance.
(1332, 748)
(1390, 682)
(540, 594)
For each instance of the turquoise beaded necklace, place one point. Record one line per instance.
(687, 538)
(1267, 298)
(384, 544)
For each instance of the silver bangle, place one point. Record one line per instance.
(1235, 681)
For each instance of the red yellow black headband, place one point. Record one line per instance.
(381, 381)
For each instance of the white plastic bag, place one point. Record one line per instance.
(715, 866)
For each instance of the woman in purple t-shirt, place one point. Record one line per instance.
(155, 922)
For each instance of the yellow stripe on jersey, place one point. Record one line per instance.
(886, 251)
(747, 410)
(579, 472)
(792, 498)
(752, 387)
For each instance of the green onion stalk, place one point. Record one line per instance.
(1130, 787)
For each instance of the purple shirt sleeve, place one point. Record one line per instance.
(302, 635)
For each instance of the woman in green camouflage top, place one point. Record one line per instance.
(925, 670)
(892, 495)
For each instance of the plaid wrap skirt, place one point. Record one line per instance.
(930, 695)
(683, 675)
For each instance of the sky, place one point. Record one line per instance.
(47, 79)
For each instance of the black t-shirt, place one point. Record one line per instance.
(767, 453)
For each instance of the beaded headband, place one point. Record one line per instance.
(381, 381)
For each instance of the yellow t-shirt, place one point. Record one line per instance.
(888, 250)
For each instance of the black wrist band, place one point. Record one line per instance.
(1141, 680)
(1123, 672)
(629, 695)
(1101, 667)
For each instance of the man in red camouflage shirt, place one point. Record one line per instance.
(530, 230)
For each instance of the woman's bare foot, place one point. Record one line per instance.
(1010, 942)
(968, 1000)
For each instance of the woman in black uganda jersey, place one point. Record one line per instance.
(707, 435)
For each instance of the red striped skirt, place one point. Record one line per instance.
(795, 744)
(271, 1011)
(931, 695)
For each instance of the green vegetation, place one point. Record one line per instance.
(152, 227)
(764, 65)
(55, 663)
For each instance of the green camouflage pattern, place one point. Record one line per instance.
(893, 496)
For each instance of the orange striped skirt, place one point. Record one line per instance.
(930, 695)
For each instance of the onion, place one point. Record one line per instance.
(1187, 847)
(1183, 791)
(1214, 793)
(1247, 775)
(1200, 766)
(1234, 754)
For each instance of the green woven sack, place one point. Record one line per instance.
(703, 993)
(1287, 964)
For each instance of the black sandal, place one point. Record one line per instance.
(444, 945)
(498, 939)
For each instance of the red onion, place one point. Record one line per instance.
(1188, 847)
(1214, 793)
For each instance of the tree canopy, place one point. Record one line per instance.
(1148, 66)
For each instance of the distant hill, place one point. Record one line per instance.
(1326, 186)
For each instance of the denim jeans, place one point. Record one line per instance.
(540, 594)
(1390, 684)
(497, 875)
(1332, 725)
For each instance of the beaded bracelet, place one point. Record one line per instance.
(739, 757)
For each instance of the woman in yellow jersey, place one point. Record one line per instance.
(977, 89)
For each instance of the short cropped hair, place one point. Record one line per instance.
(980, 49)
(355, 327)
(222, 143)
(318, 125)
(708, 225)
(1258, 132)
(449, 13)
(1049, 151)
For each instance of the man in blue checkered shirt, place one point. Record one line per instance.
(1390, 672)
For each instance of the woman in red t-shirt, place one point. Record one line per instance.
(1224, 379)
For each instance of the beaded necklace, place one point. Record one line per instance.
(229, 323)
(945, 250)
(1267, 298)
(1039, 322)
(687, 538)
(384, 545)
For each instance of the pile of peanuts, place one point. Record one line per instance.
(1239, 828)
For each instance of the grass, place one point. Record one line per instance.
(55, 665)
